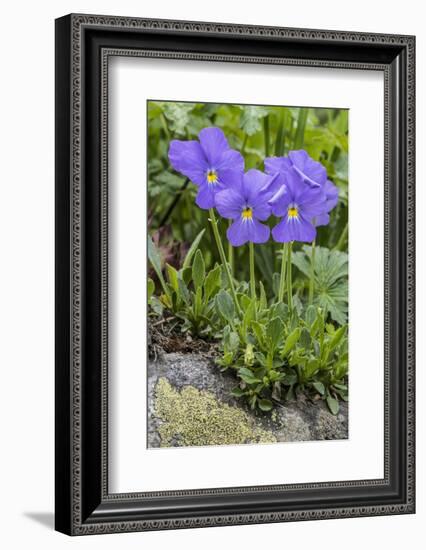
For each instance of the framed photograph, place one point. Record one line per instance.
(234, 274)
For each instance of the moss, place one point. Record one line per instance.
(193, 417)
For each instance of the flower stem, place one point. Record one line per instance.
(299, 136)
(289, 281)
(343, 238)
(266, 134)
(282, 278)
(312, 280)
(231, 253)
(252, 277)
(243, 147)
(223, 259)
(279, 141)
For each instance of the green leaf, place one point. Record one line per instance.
(212, 282)
(155, 259)
(249, 355)
(225, 306)
(291, 341)
(290, 379)
(311, 368)
(237, 392)
(154, 256)
(151, 288)
(186, 275)
(318, 325)
(184, 292)
(337, 338)
(333, 404)
(297, 304)
(265, 404)
(251, 119)
(263, 301)
(198, 270)
(198, 302)
(259, 331)
(319, 386)
(157, 306)
(249, 315)
(192, 249)
(330, 328)
(274, 332)
(172, 275)
(244, 300)
(331, 279)
(305, 339)
(302, 262)
(252, 401)
(177, 115)
(246, 374)
(310, 315)
(260, 358)
(280, 310)
(233, 341)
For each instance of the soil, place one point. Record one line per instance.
(165, 336)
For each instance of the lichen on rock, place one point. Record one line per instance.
(190, 403)
(193, 417)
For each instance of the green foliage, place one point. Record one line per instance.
(288, 354)
(177, 115)
(189, 293)
(322, 132)
(331, 279)
(275, 351)
(251, 118)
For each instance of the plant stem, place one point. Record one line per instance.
(312, 280)
(252, 277)
(223, 259)
(165, 126)
(243, 147)
(266, 134)
(289, 281)
(343, 237)
(279, 142)
(299, 136)
(231, 253)
(282, 278)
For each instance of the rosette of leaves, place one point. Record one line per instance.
(188, 293)
(331, 279)
(277, 354)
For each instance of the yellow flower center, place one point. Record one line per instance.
(247, 213)
(292, 212)
(211, 176)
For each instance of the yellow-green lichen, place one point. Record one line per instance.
(193, 417)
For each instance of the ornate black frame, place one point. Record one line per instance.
(83, 46)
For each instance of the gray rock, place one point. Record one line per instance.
(299, 420)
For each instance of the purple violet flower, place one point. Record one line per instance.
(331, 199)
(310, 171)
(210, 163)
(247, 204)
(312, 174)
(298, 205)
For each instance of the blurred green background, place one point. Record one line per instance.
(257, 132)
